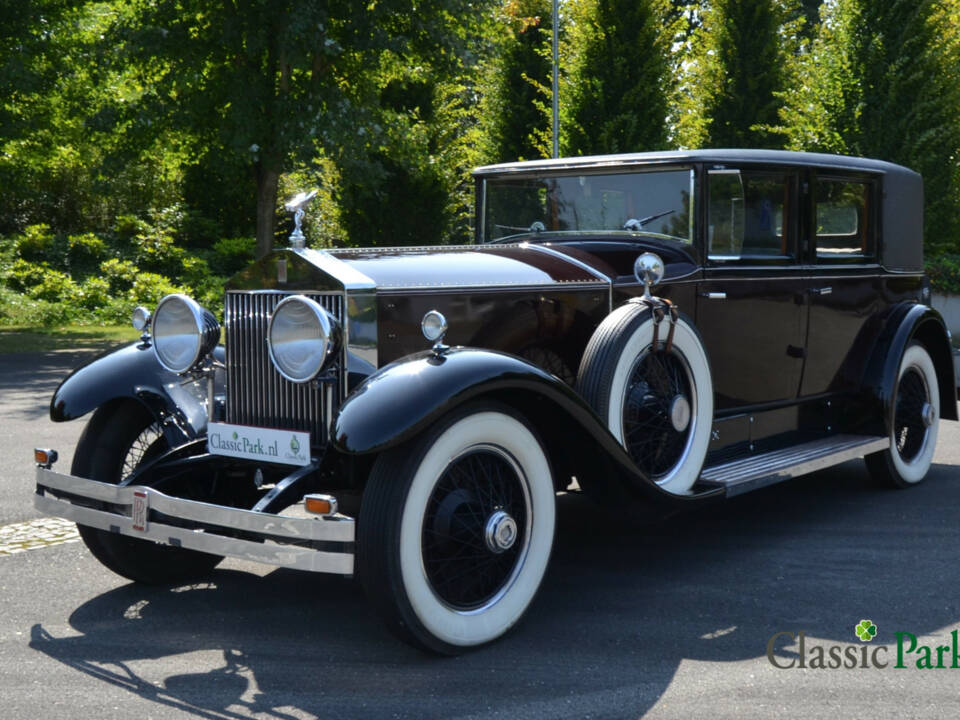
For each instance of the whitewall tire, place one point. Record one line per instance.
(456, 530)
(913, 425)
(657, 404)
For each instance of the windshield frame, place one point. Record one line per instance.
(482, 234)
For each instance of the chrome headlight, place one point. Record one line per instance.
(303, 338)
(183, 333)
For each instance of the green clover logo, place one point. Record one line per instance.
(294, 444)
(235, 436)
(866, 630)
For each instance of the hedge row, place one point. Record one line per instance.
(49, 279)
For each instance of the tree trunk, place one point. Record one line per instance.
(266, 208)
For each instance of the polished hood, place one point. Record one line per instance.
(396, 269)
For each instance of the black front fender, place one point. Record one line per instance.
(404, 398)
(133, 372)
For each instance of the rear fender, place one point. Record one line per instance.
(908, 323)
(404, 398)
(133, 372)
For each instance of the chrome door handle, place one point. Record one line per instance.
(714, 295)
(822, 291)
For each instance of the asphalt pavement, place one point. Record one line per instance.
(668, 620)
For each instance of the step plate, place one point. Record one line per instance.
(757, 471)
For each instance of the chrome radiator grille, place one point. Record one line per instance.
(256, 393)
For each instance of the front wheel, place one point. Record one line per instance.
(913, 425)
(456, 529)
(113, 444)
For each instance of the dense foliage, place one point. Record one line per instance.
(882, 81)
(149, 144)
(738, 71)
(513, 117)
(619, 79)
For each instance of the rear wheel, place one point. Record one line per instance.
(456, 529)
(914, 424)
(114, 443)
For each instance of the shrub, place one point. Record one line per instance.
(36, 243)
(24, 275)
(19, 309)
(944, 272)
(149, 289)
(85, 253)
(231, 255)
(55, 287)
(94, 293)
(120, 274)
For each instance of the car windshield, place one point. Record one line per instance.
(652, 202)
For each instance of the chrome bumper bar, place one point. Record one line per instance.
(136, 504)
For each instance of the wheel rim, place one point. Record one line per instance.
(912, 415)
(659, 411)
(147, 445)
(476, 529)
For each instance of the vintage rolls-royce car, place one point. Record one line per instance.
(659, 330)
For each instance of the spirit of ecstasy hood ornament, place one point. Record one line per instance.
(296, 205)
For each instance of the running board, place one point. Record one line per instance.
(757, 471)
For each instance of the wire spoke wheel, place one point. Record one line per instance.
(149, 444)
(656, 412)
(475, 529)
(456, 527)
(910, 426)
(114, 443)
(658, 404)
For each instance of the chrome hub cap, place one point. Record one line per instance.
(928, 414)
(500, 532)
(679, 413)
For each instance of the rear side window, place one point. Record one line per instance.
(842, 219)
(749, 216)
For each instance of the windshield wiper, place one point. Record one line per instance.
(634, 224)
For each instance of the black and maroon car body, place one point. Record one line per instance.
(659, 330)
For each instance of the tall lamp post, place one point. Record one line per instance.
(556, 82)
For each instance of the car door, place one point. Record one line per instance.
(845, 288)
(751, 308)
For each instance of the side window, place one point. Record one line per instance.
(842, 220)
(749, 216)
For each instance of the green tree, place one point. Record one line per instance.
(617, 88)
(513, 119)
(883, 80)
(411, 185)
(739, 66)
(55, 148)
(264, 80)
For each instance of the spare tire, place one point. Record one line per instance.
(658, 404)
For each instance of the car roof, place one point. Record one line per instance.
(901, 226)
(717, 156)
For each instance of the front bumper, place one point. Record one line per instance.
(317, 544)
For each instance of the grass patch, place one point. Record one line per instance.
(14, 339)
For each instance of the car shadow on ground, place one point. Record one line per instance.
(622, 607)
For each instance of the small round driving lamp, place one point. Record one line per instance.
(434, 326)
(140, 318)
(649, 270)
(302, 337)
(183, 333)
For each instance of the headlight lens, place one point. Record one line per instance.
(183, 333)
(303, 337)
